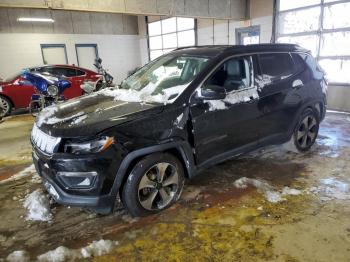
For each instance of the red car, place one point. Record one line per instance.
(14, 94)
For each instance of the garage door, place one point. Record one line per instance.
(54, 54)
(86, 55)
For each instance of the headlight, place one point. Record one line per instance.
(93, 146)
(52, 90)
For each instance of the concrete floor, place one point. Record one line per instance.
(214, 220)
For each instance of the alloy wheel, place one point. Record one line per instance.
(307, 132)
(158, 186)
(5, 106)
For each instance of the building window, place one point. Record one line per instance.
(323, 27)
(86, 55)
(248, 35)
(168, 34)
(54, 54)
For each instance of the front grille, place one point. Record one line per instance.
(44, 142)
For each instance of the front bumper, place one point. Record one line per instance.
(100, 196)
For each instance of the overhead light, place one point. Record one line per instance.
(35, 19)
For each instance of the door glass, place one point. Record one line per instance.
(233, 75)
(276, 66)
(236, 78)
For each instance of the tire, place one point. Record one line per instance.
(306, 131)
(145, 192)
(6, 105)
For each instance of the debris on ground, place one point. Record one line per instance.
(38, 206)
(28, 171)
(95, 249)
(264, 187)
(18, 256)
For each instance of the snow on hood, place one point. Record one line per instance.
(264, 187)
(48, 114)
(38, 206)
(232, 98)
(145, 94)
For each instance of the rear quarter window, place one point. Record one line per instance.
(80, 72)
(276, 65)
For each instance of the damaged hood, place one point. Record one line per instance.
(89, 115)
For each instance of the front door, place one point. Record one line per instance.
(226, 126)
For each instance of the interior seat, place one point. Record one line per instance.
(235, 75)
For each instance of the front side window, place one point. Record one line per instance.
(235, 74)
(162, 80)
(276, 66)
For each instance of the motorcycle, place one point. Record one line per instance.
(49, 90)
(106, 79)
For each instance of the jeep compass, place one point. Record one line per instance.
(179, 114)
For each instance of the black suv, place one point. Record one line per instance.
(181, 113)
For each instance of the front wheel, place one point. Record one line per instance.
(154, 184)
(306, 131)
(6, 106)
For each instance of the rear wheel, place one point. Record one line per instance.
(5, 105)
(154, 184)
(306, 131)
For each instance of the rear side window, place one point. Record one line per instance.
(64, 71)
(276, 66)
(299, 61)
(311, 63)
(80, 73)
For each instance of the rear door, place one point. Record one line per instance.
(222, 126)
(279, 80)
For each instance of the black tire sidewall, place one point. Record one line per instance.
(130, 197)
(306, 113)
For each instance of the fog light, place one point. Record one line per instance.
(77, 179)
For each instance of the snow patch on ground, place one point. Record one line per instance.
(265, 188)
(59, 254)
(38, 206)
(18, 256)
(95, 249)
(333, 189)
(24, 173)
(98, 248)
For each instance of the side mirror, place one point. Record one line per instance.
(213, 92)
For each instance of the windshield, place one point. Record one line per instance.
(12, 77)
(162, 80)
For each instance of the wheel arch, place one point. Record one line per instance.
(310, 105)
(180, 149)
